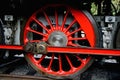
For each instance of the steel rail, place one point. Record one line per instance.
(18, 77)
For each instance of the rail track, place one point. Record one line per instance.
(18, 69)
(17, 77)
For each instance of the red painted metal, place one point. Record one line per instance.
(79, 50)
(85, 25)
(12, 47)
(68, 31)
(70, 50)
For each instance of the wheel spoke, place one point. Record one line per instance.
(72, 44)
(65, 18)
(39, 61)
(48, 20)
(80, 59)
(60, 63)
(74, 32)
(56, 18)
(71, 24)
(69, 61)
(36, 32)
(39, 23)
(51, 61)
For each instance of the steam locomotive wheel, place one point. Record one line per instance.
(60, 25)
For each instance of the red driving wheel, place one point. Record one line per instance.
(60, 25)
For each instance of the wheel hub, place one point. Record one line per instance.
(57, 38)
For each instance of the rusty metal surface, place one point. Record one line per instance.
(18, 77)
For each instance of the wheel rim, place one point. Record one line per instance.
(48, 25)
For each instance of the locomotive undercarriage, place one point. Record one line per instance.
(54, 36)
